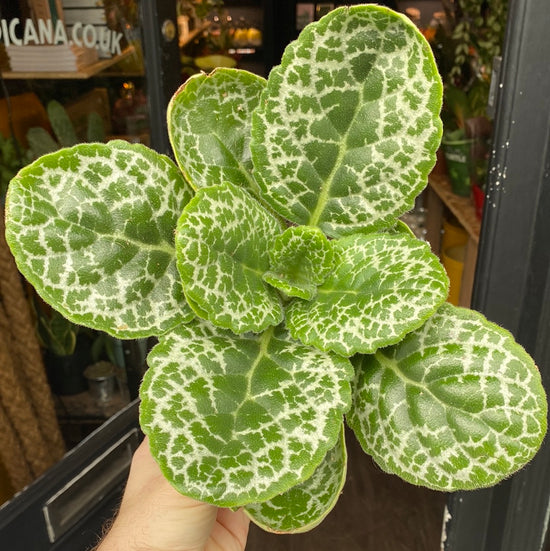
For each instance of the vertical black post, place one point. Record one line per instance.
(162, 64)
(279, 29)
(512, 284)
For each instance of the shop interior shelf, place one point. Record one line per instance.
(83, 73)
(461, 207)
(440, 195)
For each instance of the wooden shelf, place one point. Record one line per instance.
(84, 73)
(461, 207)
(83, 406)
(440, 195)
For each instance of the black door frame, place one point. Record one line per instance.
(162, 65)
(512, 283)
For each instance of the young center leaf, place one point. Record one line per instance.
(92, 229)
(348, 126)
(238, 419)
(209, 120)
(305, 505)
(300, 259)
(457, 405)
(383, 285)
(222, 241)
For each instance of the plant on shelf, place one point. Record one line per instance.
(64, 351)
(465, 44)
(286, 295)
(56, 333)
(41, 141)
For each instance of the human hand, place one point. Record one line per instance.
(153, 516)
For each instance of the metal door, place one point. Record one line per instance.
(512, 282)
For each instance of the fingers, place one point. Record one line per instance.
(153, 515)
(232, 528)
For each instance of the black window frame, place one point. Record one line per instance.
(512, 283)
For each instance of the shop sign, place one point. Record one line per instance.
(46, 32)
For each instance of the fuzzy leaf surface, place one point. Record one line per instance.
(222, 242)
(239, 419)
(383, 285)
(92, 229)
(305, 506)
(300, 259)
(457, 405)
(209, 120)
(348, 126)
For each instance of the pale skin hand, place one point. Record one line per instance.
(153, 516)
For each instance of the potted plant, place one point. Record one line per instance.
(286, 295)
(466, 42)
(65, 356)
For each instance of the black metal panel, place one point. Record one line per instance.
(512, 285)
(64, 510)
(162, 65)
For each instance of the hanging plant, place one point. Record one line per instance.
(285, 294)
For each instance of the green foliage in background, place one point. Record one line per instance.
(11, 160)
(41, 141)
(465, 45)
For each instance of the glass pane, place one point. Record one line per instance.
(214, 34)
(72, 72)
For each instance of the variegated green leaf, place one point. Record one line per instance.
(238, 419)
(306, 505)
(222, 241)
(348, 126)
(209, 121)
(458, 404)
(92, 229)
(300, 259)
(383, 286)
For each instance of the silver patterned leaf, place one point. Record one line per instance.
(222, 242)
(306, 505)
(457, 405)
(238, 419)
(300, 259)
(383, 285)
(92, 229)
(209, 121)
(348, 126)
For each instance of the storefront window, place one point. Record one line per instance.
(71, 71)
